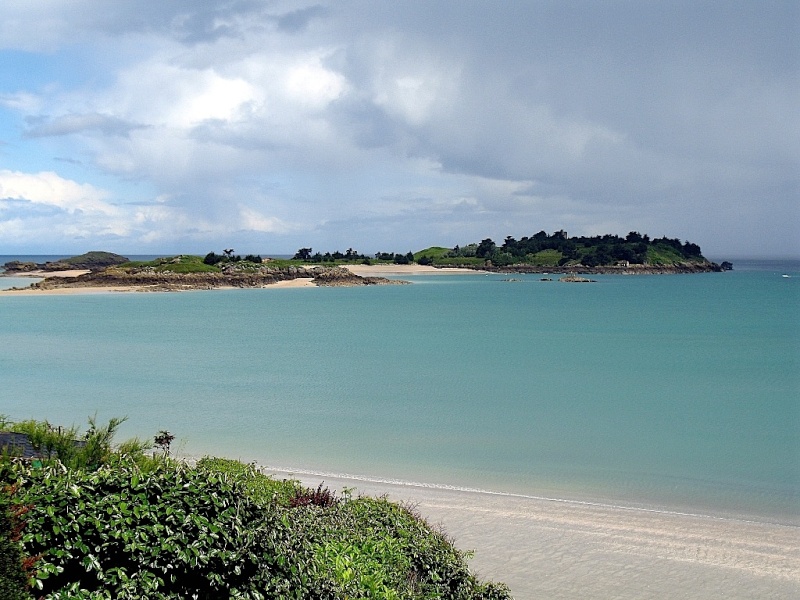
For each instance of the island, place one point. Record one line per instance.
(634, 254)
(541, 253)
(184, 272)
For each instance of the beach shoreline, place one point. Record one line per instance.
(554, 548)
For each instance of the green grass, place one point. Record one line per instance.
(661, 254)
(184, 263)
(544, 258)
(434, 252)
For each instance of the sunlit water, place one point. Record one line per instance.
(673, 392)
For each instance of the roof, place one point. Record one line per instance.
(17, 444)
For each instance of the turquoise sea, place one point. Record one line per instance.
(678, 393)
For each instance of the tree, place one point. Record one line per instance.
(634, 237)
(303, 254)
(485, 248)
(213, 259)
(690, 249)
(163, 439)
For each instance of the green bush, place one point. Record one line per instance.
(260, 488)
(90, 450)
(172, 533)
(113, 523)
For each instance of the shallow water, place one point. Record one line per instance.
(673, 392)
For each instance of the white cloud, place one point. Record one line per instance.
(50, 189)
(312, 85)
(252, 220)
(23, 102)
(175, 97)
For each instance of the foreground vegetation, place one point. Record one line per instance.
(117, 522)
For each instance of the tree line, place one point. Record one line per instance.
(307, 254)
(635, 248)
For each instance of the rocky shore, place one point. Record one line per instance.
(150, 279)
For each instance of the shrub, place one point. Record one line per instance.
(261, 489)
(90, 450)
(221, 529)
(172, 533)
(212, 259)
(311, 497)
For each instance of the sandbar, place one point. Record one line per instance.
(43, 274)
(550, 548)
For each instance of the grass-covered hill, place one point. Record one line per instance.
(93, 520)
(93, 261)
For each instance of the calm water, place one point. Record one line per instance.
(675, 392)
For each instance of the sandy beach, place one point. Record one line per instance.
(548, 548)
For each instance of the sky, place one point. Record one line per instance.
(169, 126)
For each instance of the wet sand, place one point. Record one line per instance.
(562, 549)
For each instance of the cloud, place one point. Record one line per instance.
(426, 121)
(20, 101)
(297, 20)
(252, 220)
(48, 188)
(74, 123)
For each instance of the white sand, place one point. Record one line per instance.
(293, 283)
(554, 549)
(43, 274)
